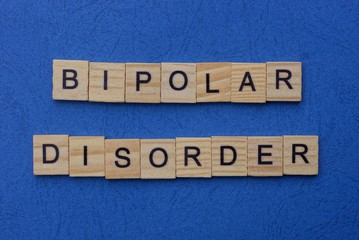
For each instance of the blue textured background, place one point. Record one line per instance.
(323, 35)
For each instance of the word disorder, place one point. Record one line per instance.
(177, 82)
(170, 158)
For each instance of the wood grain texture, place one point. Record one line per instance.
(149, 92)
(61, 166)
(95, 156)
(168, 170)
(300, 167)
(112, 171)
(79, 93)
(239, 167)
(219, 78)
(115, 91)
(276, 151)
(257, 72)
(284, 93)
(204, 158)
(170, 95)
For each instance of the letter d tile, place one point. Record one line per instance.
(51, 154)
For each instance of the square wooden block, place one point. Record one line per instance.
(213, 82)
(265, 156)
(229, 156)
(284, 81)
(248, 82)
(70, 80)
(122, 157)
(51, 154)
(158, 158)
(178, 84)
(300, 155)
(107, 82)
(143, 82)
(193, 157)
(87, 156)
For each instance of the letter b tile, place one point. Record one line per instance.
(70, 80)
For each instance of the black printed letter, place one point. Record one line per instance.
(208, 87)
(185, 78)
(294, 152)
(193, 156)
(44, 160)
(164, 154)
(85, 155)
(248, 76)
(105, 80)
(260, 154)
(284, 79)
(139, 81)
(128, 161)
(65, 79)
(234, 152)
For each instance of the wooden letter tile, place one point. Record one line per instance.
(229, 156)
(87, 156)
(193, 157)
(70, 80)
(143, 82)
(300, 155)
(284, 81)
(107, 82)
(158, 158)
(213, 82)
(248, 82)
(122, 157)
(265, 156)
(178, 83)
(51, 154)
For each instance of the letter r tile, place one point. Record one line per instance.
(193, 157)
(300, 155)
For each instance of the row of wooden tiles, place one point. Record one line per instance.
(170, 158)
(177, 82)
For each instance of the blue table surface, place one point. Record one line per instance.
(323, 35)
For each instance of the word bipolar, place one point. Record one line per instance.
(171, 158)
(177, 82)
